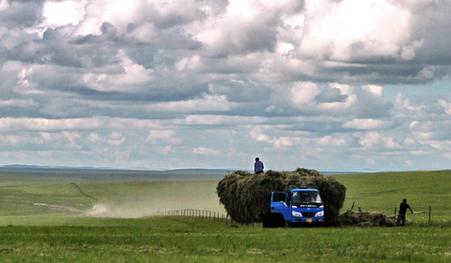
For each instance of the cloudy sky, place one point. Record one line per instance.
(331, 85)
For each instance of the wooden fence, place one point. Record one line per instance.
(423, 214)
(197, 213)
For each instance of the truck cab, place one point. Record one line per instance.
(297, 206)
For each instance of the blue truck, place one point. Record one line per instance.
(298, 206)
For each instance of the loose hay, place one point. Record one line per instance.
(365, 219)
(246, 196)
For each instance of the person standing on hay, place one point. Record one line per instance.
(402, 212)
(258, 166)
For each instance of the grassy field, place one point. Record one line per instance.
(174, 239)
(384, 191)
(62, 232)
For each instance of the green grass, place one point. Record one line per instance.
(384, 191)
(30, 233)
(173, 239)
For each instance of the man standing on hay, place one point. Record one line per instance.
(258, 166)
(402, 212)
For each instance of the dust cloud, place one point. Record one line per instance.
(150, 199)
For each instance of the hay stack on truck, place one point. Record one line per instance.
(297, 206)
(247, 197)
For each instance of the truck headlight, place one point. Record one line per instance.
(320, 213)
(296, 214)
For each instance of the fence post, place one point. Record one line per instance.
(430, 214)
(395, 211)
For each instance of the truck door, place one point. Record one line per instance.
(279, 204)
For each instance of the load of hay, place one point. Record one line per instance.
(365, 219)
(246, 196)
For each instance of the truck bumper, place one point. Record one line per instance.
(308, 220)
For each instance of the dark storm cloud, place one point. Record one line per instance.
(21, 14)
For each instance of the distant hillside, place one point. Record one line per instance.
(99, 173)
(124, 174)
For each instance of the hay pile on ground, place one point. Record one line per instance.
(365, 219)
(246, 197)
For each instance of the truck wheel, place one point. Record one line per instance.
(268, 223)
(274, 220)
(280, 221)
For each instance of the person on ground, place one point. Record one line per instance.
(258, 166)
(402, 212)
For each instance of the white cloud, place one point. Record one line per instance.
(10, 124)
(165, 136)
(277, 142)
(4, 5)
(13, 139)
(71, 136)
(331, 141)
(189, 63)
(367, 124)
(206, 103)
(403, 103)
(93, 137)
(97, 77)
(205, 151)
(258, 135)
(208, 119)
(431, 130)
(117, 12)
(338, 107)
(304, 93)
(374, 89)
(133, 77)
(60, 13)
(116, 139)
(445, 105)
(145, 33)
(245, 26)
(17, 103)
(343, 30)
(124, 123)
(283, 143)
(373, 140)
(167, 149)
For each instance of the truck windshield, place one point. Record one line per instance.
(306, 197)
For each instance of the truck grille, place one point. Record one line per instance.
(308, 214)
